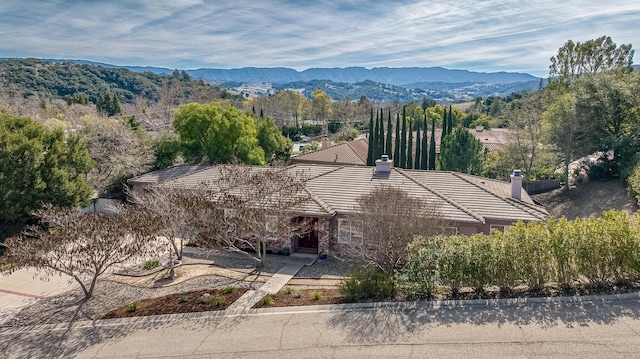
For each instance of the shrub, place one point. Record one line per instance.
(151, 264)
(216, 301)
(267, 300)
(633, 184)
(288, 290)
(365, 283)
(183, 299)
(228, 289)
(315, 295)
(420, 277)
(132, 307)
(296, 294)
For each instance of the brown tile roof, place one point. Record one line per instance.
(167, 174)
(459, 197)
(348, 153)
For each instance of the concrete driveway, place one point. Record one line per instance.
(24, 287)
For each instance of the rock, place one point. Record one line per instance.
(204, 298)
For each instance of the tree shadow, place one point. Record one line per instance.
(391, 321)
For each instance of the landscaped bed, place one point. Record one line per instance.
(198, 301)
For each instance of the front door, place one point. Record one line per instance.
(309, 239)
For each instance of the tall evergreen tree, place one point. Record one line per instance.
(432, 145)
(416, 161)
(444, 126)
(387, 146)
(396, 150)
(376, 142)
(381, 136)
(450, 122)
(409, 145)
(370, 154)
(424, 158)
(403, 140)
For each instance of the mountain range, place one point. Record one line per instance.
(379, 83)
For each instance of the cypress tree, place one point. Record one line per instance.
(424, 159)
(450, 124)
(376, 140)
(370, 154)
(444, 126)
(381, 136)
(432, 145)
(403, 143)
(396, 150)
(416, 161)
(387, 147)
(409, 146)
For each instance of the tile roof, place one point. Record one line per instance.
(347, 153)
(167, 174)
(459, 197)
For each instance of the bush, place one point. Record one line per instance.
(228, 289)
(132, 307)
(633, 184)
(151, 264)
(420, 277)
(216, 301)
(315, 295)
(267, 300)
(367, 283)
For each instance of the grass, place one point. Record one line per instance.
(151, 264)
(132, 307)
(228, 289)
(216, 301)
(267, 300)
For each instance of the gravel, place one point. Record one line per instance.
(109, 295)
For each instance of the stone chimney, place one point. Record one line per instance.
(383, 165)
(516, 184)
(326, 142)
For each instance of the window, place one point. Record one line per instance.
(349, 232)
(498, 228)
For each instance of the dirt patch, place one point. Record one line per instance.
(290, 297)
(178, 303)
(588, 199)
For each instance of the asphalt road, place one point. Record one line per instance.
(564, 330)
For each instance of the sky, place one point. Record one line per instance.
(475, 35)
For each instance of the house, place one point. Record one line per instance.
(355, 152)
(472, 204)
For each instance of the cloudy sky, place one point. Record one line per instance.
(477, 35)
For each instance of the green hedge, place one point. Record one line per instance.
(599, 250)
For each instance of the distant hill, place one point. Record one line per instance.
(380, 83)
(60, 79)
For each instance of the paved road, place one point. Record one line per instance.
(579, 330)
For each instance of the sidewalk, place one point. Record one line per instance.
(24, 287)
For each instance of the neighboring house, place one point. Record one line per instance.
(355, 152)
(472, 204)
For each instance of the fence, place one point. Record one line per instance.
(534, 187)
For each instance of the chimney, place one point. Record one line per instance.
(516, 184)
(383, 164)
(326, 142)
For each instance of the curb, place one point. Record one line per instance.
(422, 304)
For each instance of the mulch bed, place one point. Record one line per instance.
(178, 303)
(298, 297)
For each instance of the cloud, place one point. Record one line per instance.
(479, 35)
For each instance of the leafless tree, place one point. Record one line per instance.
(241, 208)
(390, 218)
(84, 246)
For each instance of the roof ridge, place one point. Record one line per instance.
(444, 197)
(354, 151)
(333, 169)
(514, 202)
(319, 201)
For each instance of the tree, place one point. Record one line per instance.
(390, 218)
(424, 158)
(432, 145)
(388, 147)
(276, 147)
(109, 104)
(591, 57)
(444, 128)
(166, 147)
(321, 106)
(84, 247)
(376, 140)
(212, 134)
(416, 161)
(119, 153)
(371, 142)
(243, 207)
(461, 151)
(396, 150)
(39, 166)
(410, 146)
(403, 141)
(566, 131)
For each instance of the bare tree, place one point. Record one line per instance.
(386, 221)
(83, 246)
(241, 208)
